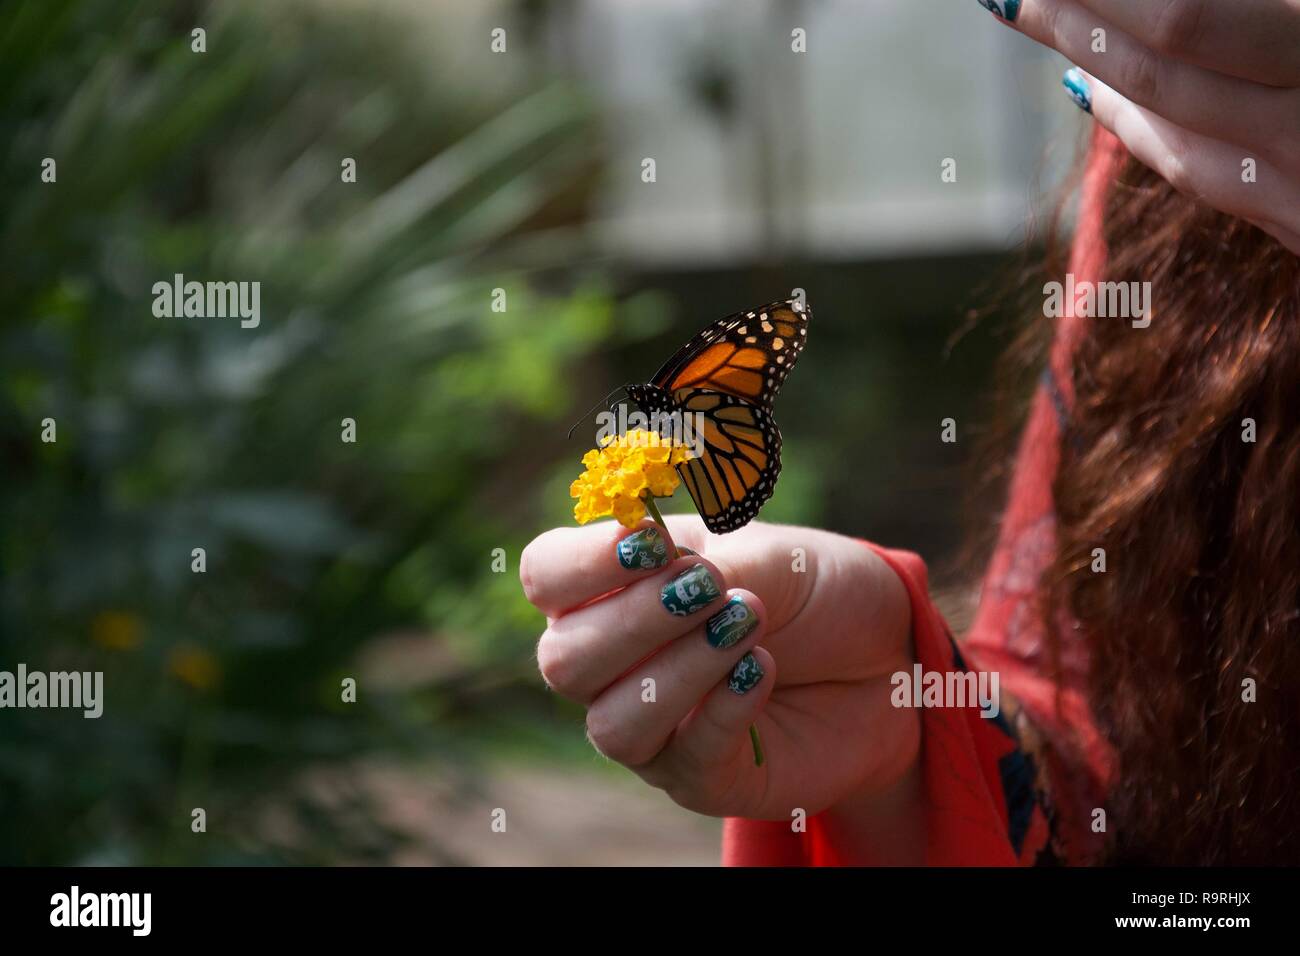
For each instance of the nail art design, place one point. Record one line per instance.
(691, 590)
(745, 675)
(644, 550)
(1076, 84)
(1007, 9)
(730, 625)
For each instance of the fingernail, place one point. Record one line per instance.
(1007, 9)
(730, 625)
(1076, 84)
(644, 550)
(691, 551)
(690, 591)
(745, 675)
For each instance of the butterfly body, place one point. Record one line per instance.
(725, 378)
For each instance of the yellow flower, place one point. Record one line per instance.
(115, 630)
(619, 476)
(662, 480)
(629, 511)
(194, 666)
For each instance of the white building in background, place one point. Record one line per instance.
(835, 152)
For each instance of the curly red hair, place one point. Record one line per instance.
(1201, 528)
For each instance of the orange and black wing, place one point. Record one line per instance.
(739, 459)
(747, 355)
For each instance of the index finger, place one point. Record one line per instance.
(1252, 39)
(568, 567)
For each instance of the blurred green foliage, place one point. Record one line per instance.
(328, 559)
(173, 434)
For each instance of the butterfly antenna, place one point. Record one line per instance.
(604, 401)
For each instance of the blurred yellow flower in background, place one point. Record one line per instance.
(194, 666)
(619, 476)
(116, 630)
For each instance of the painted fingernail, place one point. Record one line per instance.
(691, 551)
(690, 591)
(1076, 84)
(1007, 9)
(730, 625)
(745, 675)
(644, 550)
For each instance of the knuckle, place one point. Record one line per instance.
(610, 737)
(554, 663)
(526, 582)
(538, 574)
(1174, 171)
(716, 729)
(1052, 27)
(527, 562)
(688, 796)
(1180, 26)
(1141, 77)
(708, 791)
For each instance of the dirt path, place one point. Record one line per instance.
(552, 817)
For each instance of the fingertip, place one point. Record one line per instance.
(760, 609)
(765, 659)
(693, 585)
(644, 547)
(757, 669)
(752, 601)
(1006, 11)
(1079, 88)
(740, 618)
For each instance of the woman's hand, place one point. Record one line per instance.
(1193, 88)
(833, 621)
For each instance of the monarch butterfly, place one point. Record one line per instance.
(728, 374)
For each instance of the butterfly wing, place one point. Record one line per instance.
(724, 379)
(739, 460)
(747, 355)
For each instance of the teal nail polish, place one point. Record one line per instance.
(1007, 9)
(1076, 84)
(745, 675)
(644, 550)
(690, 591)
(730, 625)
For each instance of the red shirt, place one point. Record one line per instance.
(985, 800)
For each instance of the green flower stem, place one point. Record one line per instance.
(659, 520)
(653, 508)
(758, 745)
